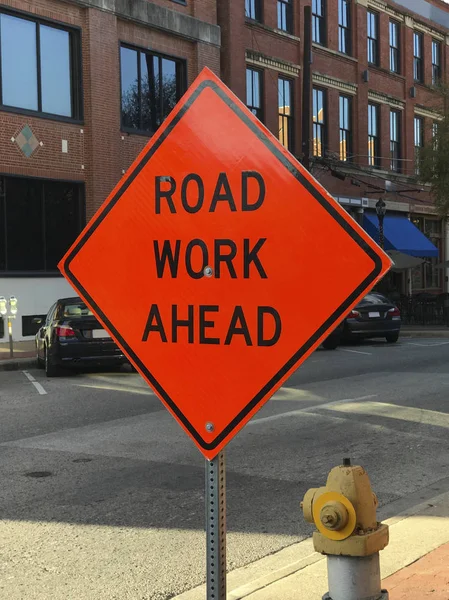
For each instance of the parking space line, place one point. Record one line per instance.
(355, 351)
(36, 384)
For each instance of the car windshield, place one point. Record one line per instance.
(374, 298)
(78, 309)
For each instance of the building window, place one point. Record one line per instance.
(395, 54)
(254, 92)
(319, 22)
(429, 275)
(436, 62)
(285, 105)
(253, 10)
(373, 37)
(39, 220)
(345, 128)
(419, 140)
(418, 73)
(373, 135)
(285, 15)
(40, 67)
(319, 122)
(435, 134)
(151, 86)
(395, 141)
(344, 26)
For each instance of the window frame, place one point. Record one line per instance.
(418, 127)
(288, 4)
(347, 132)
(76, 69)
(395, 51)
(319, 23)
(290, 118)
(395, 145)
(418, 61)
(436, 66)
(82, 220)
(319, 126)
(345, 31)
(374, 40)
(374, 161)
(261, 92)
(182, 84)
(258, 11)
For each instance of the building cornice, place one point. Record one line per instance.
(270, 62)
(386, 99)
(333, 82)
(428, 113)
(159, 17)
(384, 7)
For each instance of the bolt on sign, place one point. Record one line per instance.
(218, 264)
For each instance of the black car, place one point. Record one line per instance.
(375, 316)
(334, 338)
(72, 337)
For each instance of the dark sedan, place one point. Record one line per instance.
(72, 337)
(374, 317)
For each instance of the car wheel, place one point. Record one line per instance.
(392, 338)
(330, 343)
(51, 370)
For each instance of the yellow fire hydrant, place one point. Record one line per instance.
(344, 512)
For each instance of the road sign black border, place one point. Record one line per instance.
(281, 157)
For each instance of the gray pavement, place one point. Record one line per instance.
(120, 514)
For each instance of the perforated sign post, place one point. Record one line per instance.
(216, 237)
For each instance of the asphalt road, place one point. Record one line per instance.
(118, 510)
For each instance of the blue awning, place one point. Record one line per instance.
(400, 234)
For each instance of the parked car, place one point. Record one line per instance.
(375, 316)
(72, 337)
(334, 338)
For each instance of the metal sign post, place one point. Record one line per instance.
(215, 498)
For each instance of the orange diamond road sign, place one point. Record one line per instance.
(218, 264)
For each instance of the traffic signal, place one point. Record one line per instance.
(13, 305)
(3, 307)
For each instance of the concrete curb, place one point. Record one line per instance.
(17, 364)
(423, 333)
(266, 575)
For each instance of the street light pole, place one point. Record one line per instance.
(381, 209)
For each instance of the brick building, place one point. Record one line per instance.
(83, 83)
(374, 64)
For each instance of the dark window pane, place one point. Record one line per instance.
(55, 71)
(19, 62)
(62, 220)
(130, 89)
(169, 88)
(2, 226)
(149, 65)
(25, 243)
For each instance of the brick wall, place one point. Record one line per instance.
(264, 38)
(98, 151)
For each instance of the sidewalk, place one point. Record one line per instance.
(428, 331)
(426, 578)
(415, 564)
(24, 355)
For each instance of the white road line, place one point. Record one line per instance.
(355, 351)
(432, 345)
(36, 384)
(308, 409)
